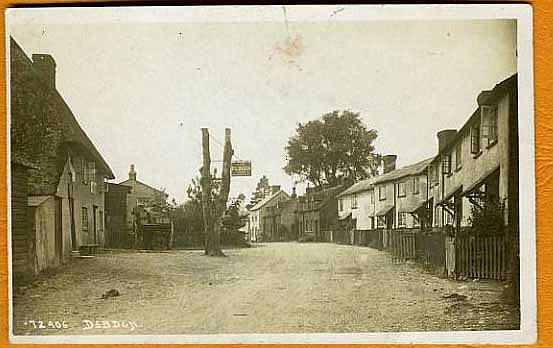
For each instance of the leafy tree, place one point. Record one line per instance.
(190, 213)
(261, 190)
(336, 146)
(233, 219)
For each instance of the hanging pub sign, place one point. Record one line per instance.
(241, 168)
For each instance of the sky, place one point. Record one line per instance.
(143, 91)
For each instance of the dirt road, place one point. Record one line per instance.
(271, 288)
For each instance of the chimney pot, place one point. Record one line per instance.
(132, 173)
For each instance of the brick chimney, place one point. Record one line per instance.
(294, 195)
(484, 97)
(445, 137)
(45, 65)
(389, 163)
(132, 173)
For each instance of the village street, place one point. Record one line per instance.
(269, 288)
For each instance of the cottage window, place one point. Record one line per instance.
(458, 156)
(91, 171)
(446, 164)
(489, 124)
(401, 189)
(402, 219)
(416, 221)
(475, 139)
(84, 218)
(416, 185)
(341, 204)
(142, 201)
(381, 221)
(382, 193)
(354, 202)
(84, 170)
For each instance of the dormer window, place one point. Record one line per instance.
(475, 139)
(489, 124)
(446, 164)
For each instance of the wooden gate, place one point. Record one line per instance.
(450, 256)
(481, 256)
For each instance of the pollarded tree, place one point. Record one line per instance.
(336, 146)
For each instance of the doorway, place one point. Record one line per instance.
(95, 223)
(58, 238)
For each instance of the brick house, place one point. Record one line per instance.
(66, 186)
(281, 220)
(318, 213)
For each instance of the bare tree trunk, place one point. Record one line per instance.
(207, 200)
(214, 209)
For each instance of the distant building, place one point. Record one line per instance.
(140, 196)
(318, 213)
(280, 221)
(66, 182)
(261, 225)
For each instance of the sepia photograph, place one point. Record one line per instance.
(271, 174)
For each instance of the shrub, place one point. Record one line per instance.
(488, 218)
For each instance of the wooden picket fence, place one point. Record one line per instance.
(462, 255)
(481, 256)
(403, 244)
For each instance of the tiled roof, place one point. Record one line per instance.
(412, 169)
(266, 200)
(367, 184)
(361, 186)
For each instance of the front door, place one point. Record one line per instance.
(94, 223)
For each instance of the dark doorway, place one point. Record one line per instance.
(95, 223)
(58, 230)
